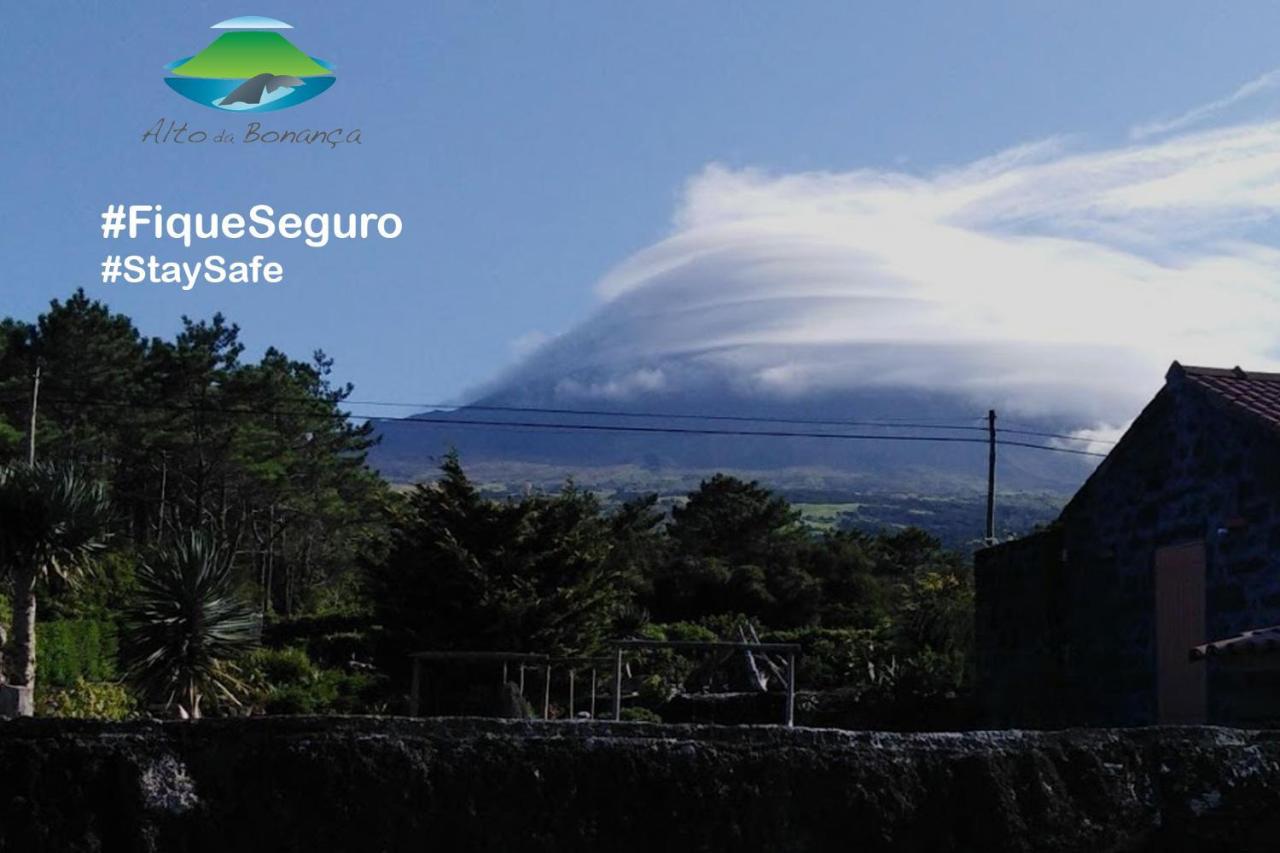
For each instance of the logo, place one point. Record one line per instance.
(250, 68)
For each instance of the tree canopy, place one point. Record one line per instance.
(258, 458)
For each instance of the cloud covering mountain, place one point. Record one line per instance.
(1047, 280)
(1054, 282)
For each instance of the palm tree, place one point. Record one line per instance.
(187, 625)
(51, 521)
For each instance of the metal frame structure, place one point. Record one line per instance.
(574, 664)
(791, 650)
(523, 660)
(526, 660)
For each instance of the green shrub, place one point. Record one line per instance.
(103, 589)
(655, 689)
(100, 700)
(640, 715)
(683, 631)
(331, 691)
(328, 640)
(74, 650)
(278, 667)
(285, 681)
(833, 658)
(663, 672)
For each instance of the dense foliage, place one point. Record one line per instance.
(74, 650)
(99, 700)
(465, 571)
(886, 614)
(240, 496)
(53, 521)
(188, 435)
(187, 626)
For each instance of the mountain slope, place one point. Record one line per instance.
(410, 448)
(245, 54)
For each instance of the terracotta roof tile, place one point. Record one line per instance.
(1257, 394)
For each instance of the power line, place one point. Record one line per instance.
(550, 425)
(894, 423)
(1058, 435)
(883, 423)
(1050, 447)
(905, 423)
(731, 432)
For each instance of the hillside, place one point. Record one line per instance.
(866, 483)
(672, 439)
(244, 54)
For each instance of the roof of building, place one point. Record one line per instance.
(1257, 641)
(1249, 393)
(1254, 393)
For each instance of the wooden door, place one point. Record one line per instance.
(1180, 683)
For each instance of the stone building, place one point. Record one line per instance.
(1173, 543)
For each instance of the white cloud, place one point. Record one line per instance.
(528, 343)
(1204, 112)
(1098, 440)
(621, 387)
(1047, 280)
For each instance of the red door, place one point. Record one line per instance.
(1180, 683)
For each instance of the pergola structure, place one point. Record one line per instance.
(523, 661)
(790, 650)
(526, 660)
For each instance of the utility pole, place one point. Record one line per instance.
(991, 476)
(35, 400)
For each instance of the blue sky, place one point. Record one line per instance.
(530, 147)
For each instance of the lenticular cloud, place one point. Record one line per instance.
(1044, 280)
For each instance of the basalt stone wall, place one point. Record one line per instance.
(1020, 671)
(835, 709)
(1066, 621)
(282, 784)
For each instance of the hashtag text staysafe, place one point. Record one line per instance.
(314, 230)
(213, 269)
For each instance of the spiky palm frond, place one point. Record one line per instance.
(187, 625)
(51, 518)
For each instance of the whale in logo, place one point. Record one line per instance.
(250, 67)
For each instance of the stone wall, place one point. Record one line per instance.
(361, 784)
(1019, 673)
(1190, 469)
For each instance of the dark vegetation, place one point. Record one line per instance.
(239, 492)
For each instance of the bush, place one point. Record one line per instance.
(71, 651)
(102, 700)
(279, 667)
(286, 681)
(665, 671)
(838, 657)
(330, 640)
(640, 715)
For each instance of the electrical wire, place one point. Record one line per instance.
(613, 428)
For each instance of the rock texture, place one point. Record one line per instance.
(1066, 618)
(358, 784)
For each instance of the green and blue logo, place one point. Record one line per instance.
(250, 68)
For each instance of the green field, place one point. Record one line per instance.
(958, 520)
(826, 501)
